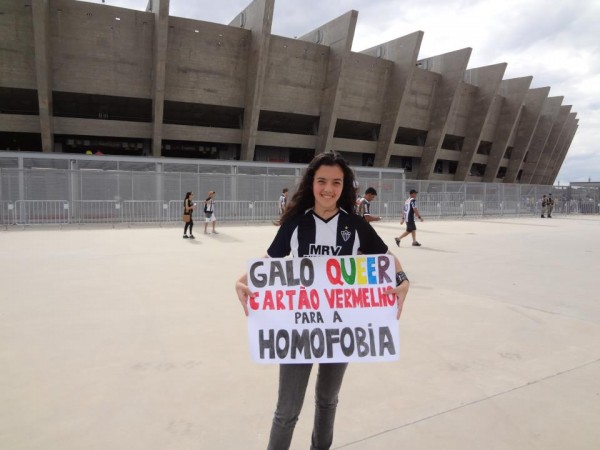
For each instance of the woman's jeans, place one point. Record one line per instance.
(189, 224)
(293, 379)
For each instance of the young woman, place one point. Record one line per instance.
(188, 208)
(209, 212)
(319, 211)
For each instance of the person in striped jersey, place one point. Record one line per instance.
(319, 221)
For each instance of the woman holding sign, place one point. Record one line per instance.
(319, 221)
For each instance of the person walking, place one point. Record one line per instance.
(209, 212)
(188, 210)
(364, 205)
(283, 201)
(550, 204)
(410, 212)
(544, 206)
(282, 204)
(320, 214)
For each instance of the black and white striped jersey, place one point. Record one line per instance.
(310, 235)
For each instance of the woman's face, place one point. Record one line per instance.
(328, 185)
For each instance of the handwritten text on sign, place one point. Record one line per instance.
(322, 309)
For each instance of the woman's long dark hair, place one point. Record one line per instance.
(304, 197)
(187, 195)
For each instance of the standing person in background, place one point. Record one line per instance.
(410, 212)
(281, 205)
(188, 209)
(209, 212)
(320, 214)
(357, 197)
(364, 205)
(550, 205)
(544, 206)
(283, 201)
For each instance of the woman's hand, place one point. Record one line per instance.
(243, 292)
(400, 293)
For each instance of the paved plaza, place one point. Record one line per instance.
(133, 338)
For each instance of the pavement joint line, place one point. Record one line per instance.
(474, 402)
(554, 313)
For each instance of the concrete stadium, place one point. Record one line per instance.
(80, 77)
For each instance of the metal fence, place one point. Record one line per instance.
(63, 212)
(74, 189)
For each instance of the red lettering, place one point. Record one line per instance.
(374, 299)
(339, 298)
(303, 301)
(279, 297)
(329, 295)
(334, 272)
(253, 303)
(268, 303)
(366, 299)
(347, 298)
(356, 298)
(314, 299)
(387, 300)
(290, 295)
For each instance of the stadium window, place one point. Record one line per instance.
(410, 136)
(198, 114)
(352, 129)
(106, 107)
(19, 101)
(280, 122)
(484, 148)
(477, 170)
(453, 142)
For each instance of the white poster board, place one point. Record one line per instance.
(322, 309)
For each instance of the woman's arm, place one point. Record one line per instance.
(243, 291)
(400, 290)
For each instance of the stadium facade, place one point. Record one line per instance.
(78, 77)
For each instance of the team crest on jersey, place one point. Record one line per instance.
(345, 234)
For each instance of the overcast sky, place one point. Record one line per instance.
(555, 41)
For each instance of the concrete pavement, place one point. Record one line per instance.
(133, 339)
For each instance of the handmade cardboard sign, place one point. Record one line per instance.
(322, 309)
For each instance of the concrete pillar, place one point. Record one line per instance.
(513, 91)
(551, 143)
(338, 36)
(160, 8)
(559, 162)
(488, 80)
(74, 189)
(557, 154)
(452, 67)
(403, 53)
(529, 116)
(258, 18)
(21, 167)
(43, 69)
(540, 137)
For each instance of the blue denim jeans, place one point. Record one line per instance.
(293, 379)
